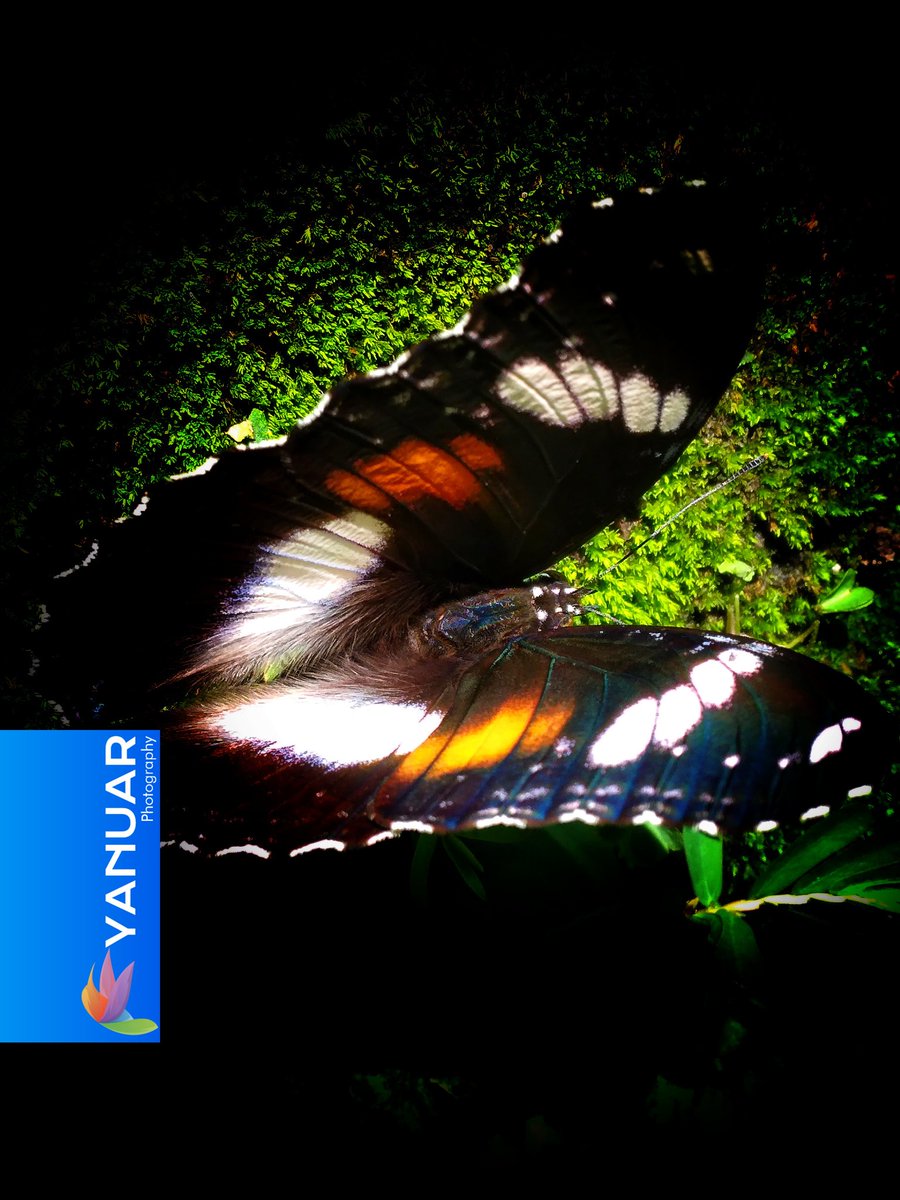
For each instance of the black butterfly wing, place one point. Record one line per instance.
(601, 725)
(477, 459)
(639, 724)
(558, 400)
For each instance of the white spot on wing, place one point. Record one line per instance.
(257, 850)
(679, 711)
(201, 470)
(575, 390)
(327, 730)
(714, 682)
(501, 819)
(315, 563)
(293, 579)
(742, 662)
(640, 404)
(384, 836)
(395, 368)
(89, 558)
(675, 408)
(647, 817)
(827, 742)
(578, 814)
(628, 736)
(325, 844)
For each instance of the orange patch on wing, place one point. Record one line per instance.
(415, 469)
(474, 746)
(479, 455)
(356, 491)
(546, 728)
(420, 760)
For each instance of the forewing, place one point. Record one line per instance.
(477, 459)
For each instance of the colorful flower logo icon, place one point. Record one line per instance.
(107, 1006)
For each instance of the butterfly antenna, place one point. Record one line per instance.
(752, 465)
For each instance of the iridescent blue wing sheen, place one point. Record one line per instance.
(601, 725)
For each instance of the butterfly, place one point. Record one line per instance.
(339, 629)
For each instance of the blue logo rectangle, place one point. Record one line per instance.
(79, 885)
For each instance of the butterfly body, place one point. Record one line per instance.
(352, 632)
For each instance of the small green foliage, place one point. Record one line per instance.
(803, 861)
(734, 942)
(737, 569)
(846, 597)
(704, 860)
(466, 863)
(420, 867)
(840, 857)
(407, 1102)
(259, 425)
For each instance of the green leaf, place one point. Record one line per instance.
(734, 566)
(420, 866)
(841, 862)
(851, 601)
(884, 895)
(810, 852)
(733, 940)
(668, 839)
(704, 859)
(845, 597)
(466, 863)
(860, 863)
